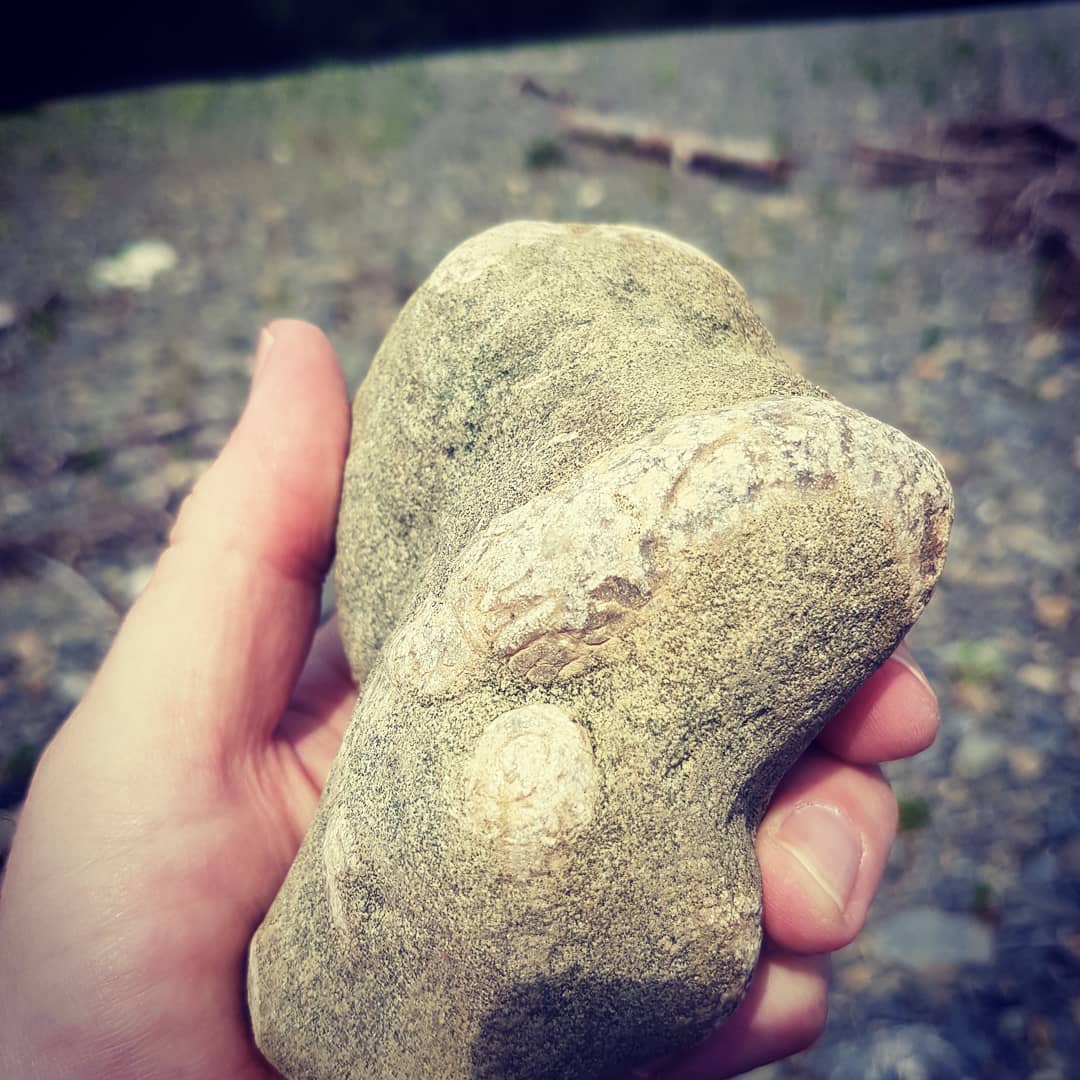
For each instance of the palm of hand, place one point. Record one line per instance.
(156, 893)
(167, 811)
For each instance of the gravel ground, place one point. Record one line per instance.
(329, 195)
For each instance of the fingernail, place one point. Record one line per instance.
(828, 847)
(262, 353)
(906, 659)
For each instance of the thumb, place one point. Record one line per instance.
(206, 659)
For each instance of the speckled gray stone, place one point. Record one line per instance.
(607, 567)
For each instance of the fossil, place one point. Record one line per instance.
(606, 566)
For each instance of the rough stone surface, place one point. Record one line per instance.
(607, 566)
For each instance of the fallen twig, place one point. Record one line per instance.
(1021, 174)
(1012, 145)
(726, 159)
(690, 150)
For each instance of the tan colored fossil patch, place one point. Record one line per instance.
(546, 586)
(530, 787)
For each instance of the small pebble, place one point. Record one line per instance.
(1052, 387)
(1040, 677)
(858, 977)
(1052, 610)
(591, 194)
(138, 579)
(1025, 763)
(518, 184)
(36, 659)
(976, 755)
(136, 267)
(926, 939)
(784, 207)
(975, 697)
(911, 1052)
(72, 685)
(1042, 345)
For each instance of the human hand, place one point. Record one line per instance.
(164, 815)
(166, 811)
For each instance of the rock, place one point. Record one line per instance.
(765, 1072)
(1026, 763)
(607, 567)
(35, 658)
(976, 755)
(1052, 610)
(591, 194)
(72, 685)
(136, 579)
(1040, 677)
(910, 1052)
(136, 267)
(1042, 345)
(926, 939)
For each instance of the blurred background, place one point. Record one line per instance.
(899, 194)
(68, 48)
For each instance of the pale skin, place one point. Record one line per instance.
(166, 811)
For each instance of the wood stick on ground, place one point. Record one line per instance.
(1021, 174)
(750, 162)
(1022, 146)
